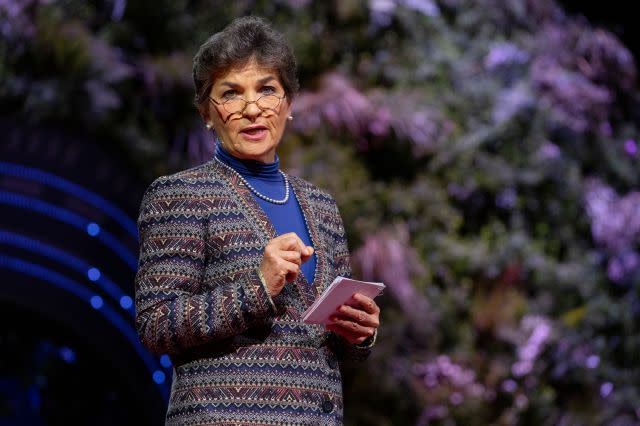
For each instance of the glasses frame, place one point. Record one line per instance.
(246, 103)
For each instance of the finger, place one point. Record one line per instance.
(353, 333)
(280, 268)
(290, 241)
(346, 333)
(290, 270)
(358, 316)
(291, 256)
(307, 253)
(366, 303)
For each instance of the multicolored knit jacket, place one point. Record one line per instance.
(240, 357)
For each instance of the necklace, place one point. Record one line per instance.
(255, 191)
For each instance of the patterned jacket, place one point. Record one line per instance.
(240, 357)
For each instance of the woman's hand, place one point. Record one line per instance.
(281, 261)
(356, 320)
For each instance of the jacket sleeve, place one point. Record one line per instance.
(343, 268)
(175, 308)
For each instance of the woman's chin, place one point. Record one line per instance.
(255, 151)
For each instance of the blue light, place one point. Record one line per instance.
(165, 361)
(72, 188)
(93, 229)
(58, 280)
(72, 219)
(96, 302)
(158, 376)
(61, 256)
(67, 354)
(93, 274)
(126, 302)
(34, 398)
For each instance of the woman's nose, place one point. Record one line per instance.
(251, 110)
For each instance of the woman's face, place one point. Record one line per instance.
(251, 133)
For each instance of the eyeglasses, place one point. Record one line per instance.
(237, 104)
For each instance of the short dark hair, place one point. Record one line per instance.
(240, 41)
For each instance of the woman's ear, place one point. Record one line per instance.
(203, 111)
(289, 109)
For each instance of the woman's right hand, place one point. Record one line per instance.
(281, 261)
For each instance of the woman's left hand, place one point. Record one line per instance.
(356, 320)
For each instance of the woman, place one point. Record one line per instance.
(233, 251)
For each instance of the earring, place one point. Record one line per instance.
(209, 126)
(290, 117)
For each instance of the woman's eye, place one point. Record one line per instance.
(229, 94)
(268, 90)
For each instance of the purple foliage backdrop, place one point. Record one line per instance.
(484, 155)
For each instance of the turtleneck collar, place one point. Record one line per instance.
(250, 168)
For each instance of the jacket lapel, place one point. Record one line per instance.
(263, 226)
(319, 280)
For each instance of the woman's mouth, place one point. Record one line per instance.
(254, 133)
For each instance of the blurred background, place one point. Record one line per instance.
(484, 155)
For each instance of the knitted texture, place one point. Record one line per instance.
(240, 357)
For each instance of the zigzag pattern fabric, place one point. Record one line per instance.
(240, 357)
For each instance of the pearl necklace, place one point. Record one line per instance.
(255, 191)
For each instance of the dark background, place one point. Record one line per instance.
(614, 15)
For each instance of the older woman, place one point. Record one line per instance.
(233, 251)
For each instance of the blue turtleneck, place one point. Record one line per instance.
(266, 179)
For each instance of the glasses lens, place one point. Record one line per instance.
(268, 102)
(234, 105)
